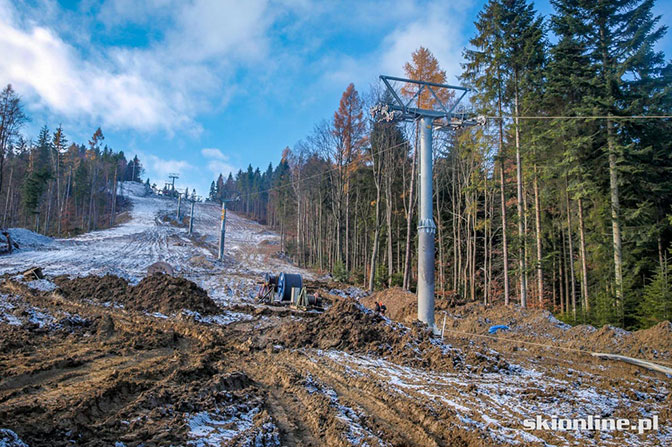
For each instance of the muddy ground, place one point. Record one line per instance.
(98, 361)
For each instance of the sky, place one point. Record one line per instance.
(202, 87)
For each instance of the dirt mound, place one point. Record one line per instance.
(346, 325)
(540, 326)
(169, 294)
(102, 289)
(350, 327)
(156, 293)
(401, 304)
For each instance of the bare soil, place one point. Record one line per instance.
(87, 371)
(155, 293)
(531, 325)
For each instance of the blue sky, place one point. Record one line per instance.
(207, 86)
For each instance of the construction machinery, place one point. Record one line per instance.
(287, 289)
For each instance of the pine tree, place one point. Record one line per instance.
(212, 195)
(39, 172)
(513, 36)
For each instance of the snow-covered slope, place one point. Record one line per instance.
(128, 249)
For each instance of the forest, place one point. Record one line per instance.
(560, 201)
(53, 186)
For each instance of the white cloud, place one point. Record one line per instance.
(39, 62)
(438, 26)
(213, 153)
(218, 163)
(161, 87)
(440, 31)
(158, 169)
(217, 167)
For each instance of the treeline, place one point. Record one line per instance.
(55, 187)
(542, 206)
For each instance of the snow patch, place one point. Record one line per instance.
(219, 427)
(28, 239)
(6, 309)
(221, 319)
(10, 439)
(43, 285)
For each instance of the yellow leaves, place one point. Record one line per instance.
(90, 155)
(425, 67)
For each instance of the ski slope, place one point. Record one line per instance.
(128, 249)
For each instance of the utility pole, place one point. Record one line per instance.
(172, 176)
(222, 229)
(191, 217)
(398, 110)
(426, 227)
(179, 204)
(222, 232)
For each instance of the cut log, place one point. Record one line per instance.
(33, 273)
(641, 363)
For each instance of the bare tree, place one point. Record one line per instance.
(11, 120)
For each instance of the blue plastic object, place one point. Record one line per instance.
(499, 327)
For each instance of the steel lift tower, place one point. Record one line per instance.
(434, 106)
(172, 177)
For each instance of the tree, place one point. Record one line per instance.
(619, 37)
(422, 67)
(349, 131)
(11, 120)
(485, 71)
(212, 195)
(425, 67)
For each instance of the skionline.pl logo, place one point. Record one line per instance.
(594, 423)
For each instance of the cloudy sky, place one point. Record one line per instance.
(207, 86)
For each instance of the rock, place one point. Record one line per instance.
(160, 267)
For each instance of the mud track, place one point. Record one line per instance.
(81, 369)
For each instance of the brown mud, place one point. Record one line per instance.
(530, 325)
(87, 372)
(155, 293)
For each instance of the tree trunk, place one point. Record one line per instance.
(521, 217)
(93, 184)
(572, 283)
(584, 262)
(439, 229)
(388, 221)
(615, 214)
(502, 184)
(376, 235)
(537, 213)
(485, 238)
(347, 221)
(9, 193)
(114, 197)
(409, 218)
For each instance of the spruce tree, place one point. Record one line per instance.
(619, 38)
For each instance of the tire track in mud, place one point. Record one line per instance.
(127, 377)
(386, 418)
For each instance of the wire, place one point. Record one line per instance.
(325, 172)
(596, 117)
